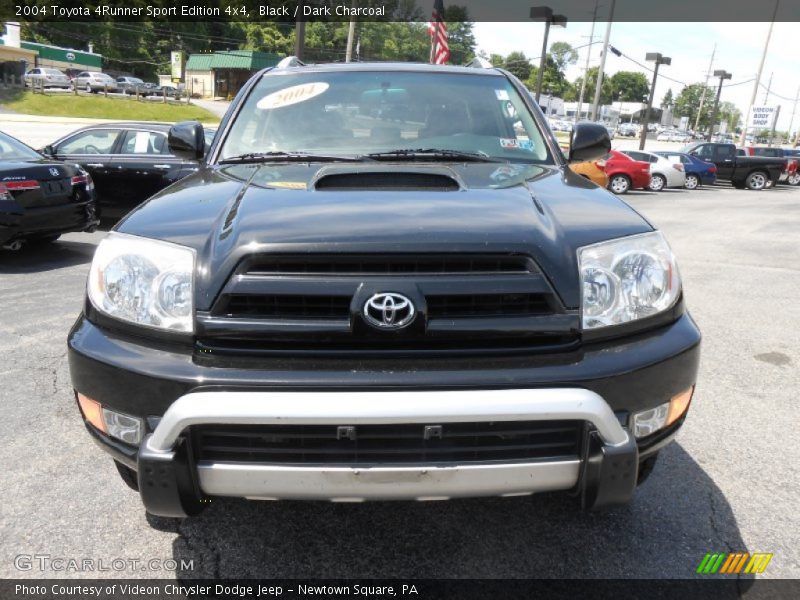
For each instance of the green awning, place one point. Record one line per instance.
(248, 60)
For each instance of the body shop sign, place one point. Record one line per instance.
(762, 117)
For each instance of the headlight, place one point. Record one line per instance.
(143, 281)
(627, 279)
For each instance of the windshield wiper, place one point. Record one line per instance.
(433, 154)
(277, 156)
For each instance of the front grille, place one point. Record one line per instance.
(288, 307)
(338, 307)
(400, 264)
(474, 442)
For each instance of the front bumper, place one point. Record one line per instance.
(171, 485)
(173, 387)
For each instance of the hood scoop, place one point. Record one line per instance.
(387, 180)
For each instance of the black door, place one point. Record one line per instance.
(141, 167)
(93, 150)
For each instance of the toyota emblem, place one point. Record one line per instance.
(389, 311)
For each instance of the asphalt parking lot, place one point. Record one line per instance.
(728, 483)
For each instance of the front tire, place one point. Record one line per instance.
(619, 184)
(794, 179)
(657, 183)
(692, 182)
(757, 180)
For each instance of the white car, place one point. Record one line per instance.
(664, 172)
(40, 77)
(665, 136)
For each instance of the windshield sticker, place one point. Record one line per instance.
(515, 144)
(501, 94)
(292, 95)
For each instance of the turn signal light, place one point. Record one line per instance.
(92, 411)
(678, 405)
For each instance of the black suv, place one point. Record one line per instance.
(383, 283)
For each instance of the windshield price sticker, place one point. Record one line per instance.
(292, 95)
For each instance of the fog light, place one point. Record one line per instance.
(123, 427)
(650, 421)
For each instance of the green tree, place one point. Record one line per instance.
(606, 91)
(687, 104)
(460, 33)
(631, 85)
(729, 112)
(519, 65)
(667, 100)
(497, 60)
(563, 55)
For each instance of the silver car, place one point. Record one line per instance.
(93, 82)
(45, 77)
(664, 172)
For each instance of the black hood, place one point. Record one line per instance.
(229, 212)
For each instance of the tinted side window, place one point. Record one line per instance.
(96, 141)
(703, 151)
(724, 151)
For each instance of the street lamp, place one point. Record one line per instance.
(723, 75)
(659, 60)
(545, 13)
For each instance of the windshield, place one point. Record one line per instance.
(11, 149)
(367, 112)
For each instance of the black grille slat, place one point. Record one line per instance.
(488, 305)
(400, 264)
(395, 443)
(288, 306)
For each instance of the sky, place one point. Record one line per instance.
(738, 51)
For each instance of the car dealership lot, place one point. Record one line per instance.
(728, 484)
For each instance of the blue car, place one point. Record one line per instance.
(698, 172)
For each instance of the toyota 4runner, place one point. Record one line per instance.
(384, 282)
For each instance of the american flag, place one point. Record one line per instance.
(440, 50)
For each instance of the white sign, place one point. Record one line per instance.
(292, 95)
(684, 124)
(762, 117)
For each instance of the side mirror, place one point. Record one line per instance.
(588, 141)
(48, 150)
(187, 140)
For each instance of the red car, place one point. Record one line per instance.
(624, 173)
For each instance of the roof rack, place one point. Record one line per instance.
(290, 61)
(479, 63)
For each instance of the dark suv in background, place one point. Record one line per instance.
(384, 282)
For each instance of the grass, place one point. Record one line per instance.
(100, 107)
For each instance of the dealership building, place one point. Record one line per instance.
(28, 55)
(222, 74)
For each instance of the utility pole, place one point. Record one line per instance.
(705, 88)
(351, 33)
(659, 60)
(769, 87)
(586, 69)
(599, 82)
(545, 13)
(743, 137)
(299, 35)
(723, 75)
(791, 120)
